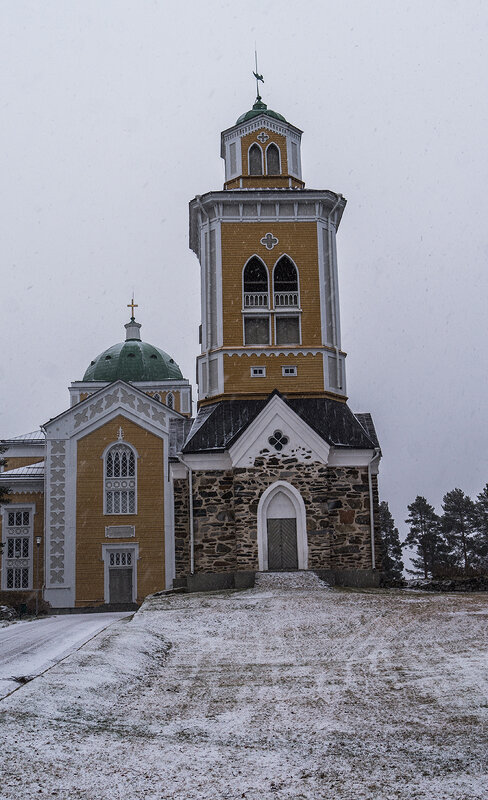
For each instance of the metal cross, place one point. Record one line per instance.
(132, 306)
(269, 241)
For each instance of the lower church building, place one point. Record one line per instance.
(125, 493)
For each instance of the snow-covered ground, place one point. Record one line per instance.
(29, 647)
(288, 690)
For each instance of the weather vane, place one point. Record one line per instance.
(257, 76)
(132, 306)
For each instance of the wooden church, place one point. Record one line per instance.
(124, 494)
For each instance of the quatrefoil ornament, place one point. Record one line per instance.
(263, 137)
(278, 440)
(269, 241)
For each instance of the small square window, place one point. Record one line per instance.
(288, 371)
(258, 372)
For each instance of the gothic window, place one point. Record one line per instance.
(285, 280)
(255, 284)
(255, 160)
(157, 397)
(120, 480)
(170, 400)
(273, 160)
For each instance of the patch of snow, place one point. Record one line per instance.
(280, 691)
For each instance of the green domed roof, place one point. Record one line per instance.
(133, 360)
(259, 108)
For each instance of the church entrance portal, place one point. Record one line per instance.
(282, 536)
(282, 544)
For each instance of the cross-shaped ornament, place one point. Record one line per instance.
(263, 137)
(132, 306)
(269, 241)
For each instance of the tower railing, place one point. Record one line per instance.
(286, 299)
(256, 300)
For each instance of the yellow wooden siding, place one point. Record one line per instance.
(309, 379)
(14, 462)
(296, 239)
(91, 521)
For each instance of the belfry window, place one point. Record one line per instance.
(255, 284)
(285, 279)
(273, 160)
(256, 330)
(287, 329)
(120, 480)
(255, 160)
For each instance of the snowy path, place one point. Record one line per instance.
(289, 691)
(29, 648)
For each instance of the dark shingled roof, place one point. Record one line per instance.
(218, 426)
(366, 421)
(178, 431)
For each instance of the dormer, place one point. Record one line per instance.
(262, 151)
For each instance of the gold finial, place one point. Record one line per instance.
(132, 306)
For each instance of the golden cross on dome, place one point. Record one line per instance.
(132, 306)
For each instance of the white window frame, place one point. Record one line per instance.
(172, 406)
(256, 309)
(297, 314)
(263, 161)
(258, 372)
(288, 372)
(121, 443)
(273, 288)
(21, 532)
(133, 548)
(249, 316)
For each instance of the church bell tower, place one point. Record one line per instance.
(267, 250)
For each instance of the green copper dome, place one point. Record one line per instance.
(259, 108)
(133, 360)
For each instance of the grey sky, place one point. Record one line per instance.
(111, 118)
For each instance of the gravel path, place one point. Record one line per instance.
(288, 690)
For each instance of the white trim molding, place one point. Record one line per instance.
(301, 523)
(126, 547)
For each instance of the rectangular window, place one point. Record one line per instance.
(18, 547)
(287, 330)
(285, 371)
(17, 578)
(258, 372)
(294, 158)
(117, 502)
(18, 519)
(256, 330)
(233, 160)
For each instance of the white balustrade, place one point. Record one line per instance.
(286, 299)
(255, 299)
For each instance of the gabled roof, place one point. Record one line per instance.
(218, 426)
(28, 471)
(32, 437)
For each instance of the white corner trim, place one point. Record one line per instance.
(301, 523)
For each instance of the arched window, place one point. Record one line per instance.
(157, 397)
(120, 480)
(272, 160)
(255, 284)
(285, 279)
(170, 400)
(255, 160)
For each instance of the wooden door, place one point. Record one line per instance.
(120, 585)
(282, 544)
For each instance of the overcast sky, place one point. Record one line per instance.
(110, 123)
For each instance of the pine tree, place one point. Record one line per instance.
(480, 540)
(3, 489)
(392, 549)
(424, 535)
(458, 524)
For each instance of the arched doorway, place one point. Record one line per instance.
(282, 534)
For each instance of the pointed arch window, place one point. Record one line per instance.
(255, 160)
(120, 478)
(273, 160)
(170, 400)
(285, 280)
(255, 284)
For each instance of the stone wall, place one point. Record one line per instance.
(225, 505)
